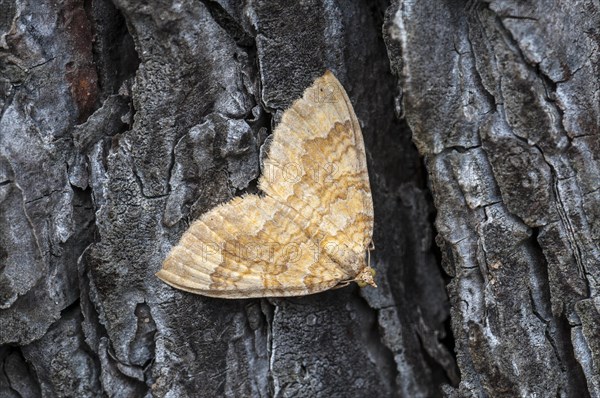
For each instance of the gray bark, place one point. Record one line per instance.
(123, 122)
(502, 98)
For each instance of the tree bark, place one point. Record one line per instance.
(123, 122)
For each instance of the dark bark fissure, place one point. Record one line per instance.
(122, 122)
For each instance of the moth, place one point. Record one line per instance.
(310, 229)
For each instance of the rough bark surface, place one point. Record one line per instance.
(503, 98)
(122, 122)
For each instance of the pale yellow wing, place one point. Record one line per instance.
(250, 247)
(309, 232)
(317, 165)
